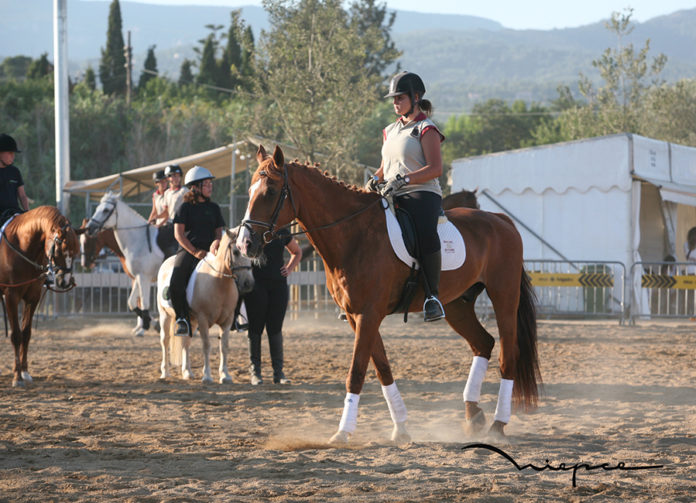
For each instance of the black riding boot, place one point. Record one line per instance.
(255, 358)
(275, 343)
(432, 308)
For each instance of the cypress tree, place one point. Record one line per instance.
(208, 66)
(150, 68)
(112, 65)
(185, 74)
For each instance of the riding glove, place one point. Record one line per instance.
(372, 184)
(395, 184)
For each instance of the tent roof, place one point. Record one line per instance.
(600, 163)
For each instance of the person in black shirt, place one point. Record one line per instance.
(13, 198)
(267, 303)
(198, 227)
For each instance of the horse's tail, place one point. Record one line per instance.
(528, 378)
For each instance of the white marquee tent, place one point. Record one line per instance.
(623, 197)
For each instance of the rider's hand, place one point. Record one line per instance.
(200, 254)
(372, 184)
(394, 184)
(214, 246)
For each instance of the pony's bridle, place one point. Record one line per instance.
(285, 193)
(100, 223)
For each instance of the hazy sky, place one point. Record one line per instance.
(517, 14)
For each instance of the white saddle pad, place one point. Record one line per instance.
(451, 242)
(167, 276)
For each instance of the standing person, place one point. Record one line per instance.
(267, 303)
(411, 165)
(198, 228)
(13, 198)
(159, 214)
(174, 195)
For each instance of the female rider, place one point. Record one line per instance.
(198, 229)
(411, 165)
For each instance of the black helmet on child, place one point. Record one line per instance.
(7, 143)
(158, 175)
(406, 83)
(171, 169)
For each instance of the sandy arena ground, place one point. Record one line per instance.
(97, 424)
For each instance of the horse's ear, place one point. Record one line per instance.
(261, 154)
(278, 157)
(476, 190)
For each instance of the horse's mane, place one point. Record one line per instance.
(43, 219)
(316, 169)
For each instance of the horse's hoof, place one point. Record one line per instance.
(139, 333)
(475, 424)
(226, 380)
(399, 434)
(207, 380)
(340, 438)
(496, 431)
(27, 377)
(18, 383)
(186, 376)
(164, 375)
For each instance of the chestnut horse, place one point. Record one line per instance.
(36, 248)
(347, 226)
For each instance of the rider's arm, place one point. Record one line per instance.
(153, 214)
(185, 243)
(295, 256)
(22, 196)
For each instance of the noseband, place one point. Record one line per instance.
(100, 223)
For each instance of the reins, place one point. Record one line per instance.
(285, 192)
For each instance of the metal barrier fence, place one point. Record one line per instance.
(565, 289)
(666, 290)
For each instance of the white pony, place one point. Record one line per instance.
(138, 242)
(212, 293)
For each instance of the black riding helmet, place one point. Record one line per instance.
(171, 169)
(406, 83)
(7, 143)
(158, 175)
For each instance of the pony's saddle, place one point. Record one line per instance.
(402, 236)
(167, 276)
(7, 214)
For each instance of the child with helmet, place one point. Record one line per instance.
(198, 225)
(159, 214)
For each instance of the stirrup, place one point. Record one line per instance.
(436, 311)
(182, 328)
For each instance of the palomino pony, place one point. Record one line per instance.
(217, 285)
(347, 226)
(35, 246)
(137, 240)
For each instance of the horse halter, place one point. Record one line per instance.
(285, 193)
(53, 268)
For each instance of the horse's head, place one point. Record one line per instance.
(270, 203)
(236, 264)
(105, 215)
(62, 247)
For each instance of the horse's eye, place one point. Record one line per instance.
(235, 253)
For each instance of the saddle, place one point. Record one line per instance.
(7, 214)
(166, 240)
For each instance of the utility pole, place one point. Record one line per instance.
(128, 52)
(61, 99)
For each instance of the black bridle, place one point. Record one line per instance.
(286, 193)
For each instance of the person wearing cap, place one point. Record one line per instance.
(411, 165)
(198, 225)
(13, 198)
(174, 195)
(159, 214)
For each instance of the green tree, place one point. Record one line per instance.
(186, 73)
(15, 67)
(112, 69)
(617, 106)
(248, 51)
(149, 68)
(40, 68)
(320, 75)
(231, 61)
(90, 78)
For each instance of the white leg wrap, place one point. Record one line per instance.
(504, 407)
(397, 407)
(349, 419)
(472, 390)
